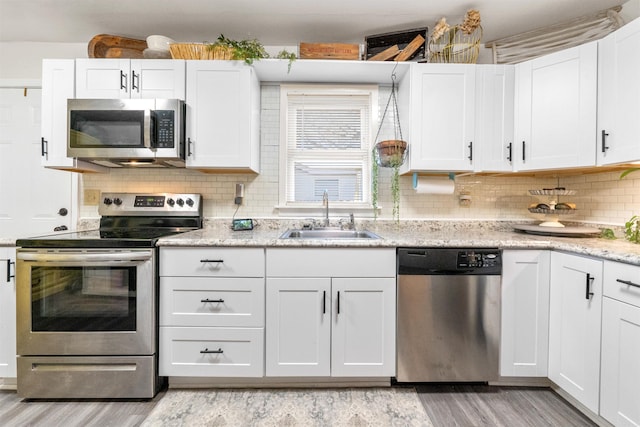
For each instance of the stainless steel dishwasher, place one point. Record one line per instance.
(448, 314)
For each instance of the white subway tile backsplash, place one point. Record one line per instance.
(600, 197)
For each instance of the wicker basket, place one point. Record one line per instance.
(217, 52)
(455, 46)
(186, 50)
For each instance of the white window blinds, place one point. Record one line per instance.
(326, 143)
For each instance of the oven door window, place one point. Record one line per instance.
(83, 298)
(106, 128)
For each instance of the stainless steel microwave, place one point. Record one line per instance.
(126, 132)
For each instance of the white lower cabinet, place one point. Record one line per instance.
(620, 374)
(574, 326)
(330, 312)
(7, 313)
(524, 348)
(211, 312)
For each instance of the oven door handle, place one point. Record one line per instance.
(85, 257)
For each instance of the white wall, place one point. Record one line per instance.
(23, 60)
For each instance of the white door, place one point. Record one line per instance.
(619, 397)
(556, 109)
(442, 117)
(32, 195)
(574, 326)
(619, 96)
(298, 327)
(222, 115)
(363, 336)
(7, 313)
(524, 344)
(158, 78)
(494, 117)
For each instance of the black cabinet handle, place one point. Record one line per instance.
(9, 275)
(207, 351)
(605, 147)
(470, 146)
(189, 152)
(588, 293)
(212, 300)
(43, 150)
(123, 81)
(338, 302)
(324, 302)
(524, 155)
(135, 85)
(510, 150)
(211, 260)
(628, 282)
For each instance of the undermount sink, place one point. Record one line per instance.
(321, 233)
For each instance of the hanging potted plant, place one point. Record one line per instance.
(389, 153)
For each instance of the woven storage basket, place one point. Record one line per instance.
(455, 46)
(186, 50)
(217, 52)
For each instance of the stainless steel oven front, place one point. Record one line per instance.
(86, 317)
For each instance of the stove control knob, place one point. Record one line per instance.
(117, 201)
(107, 201)
(190, 202)
(171, 202)
(180, 202)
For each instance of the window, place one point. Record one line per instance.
(326, 134)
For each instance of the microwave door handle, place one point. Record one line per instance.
(148, 131)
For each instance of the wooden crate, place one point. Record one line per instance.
(376, 44)
(329, 51)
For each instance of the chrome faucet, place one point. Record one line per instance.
(325, 203)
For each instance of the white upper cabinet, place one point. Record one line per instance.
(619, 96)
(494, 117)
(441, 115)
(556, 110)
(130, 78)
(223, 116)
(58, 85)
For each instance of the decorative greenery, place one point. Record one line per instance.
(245, 50)
(608, 233)
(284, 54)
(628, 171)
(394, 162)
(375, 170)
(632, 229)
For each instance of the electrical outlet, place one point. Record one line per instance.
(91, 197)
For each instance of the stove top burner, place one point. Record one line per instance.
(130, 221)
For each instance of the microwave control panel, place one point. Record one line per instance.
(164, 128)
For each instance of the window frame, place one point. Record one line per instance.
(301, 208)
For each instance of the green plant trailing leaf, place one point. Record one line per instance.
(284, 54)
(608, 233)
(628, 171)
(632, 229)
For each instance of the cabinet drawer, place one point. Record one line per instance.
(625, 292)
(238, 352)
(331, 262)
(212, 262)
(206, 301)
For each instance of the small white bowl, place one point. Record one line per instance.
(157, 42)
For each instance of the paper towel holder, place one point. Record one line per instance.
(452, 176)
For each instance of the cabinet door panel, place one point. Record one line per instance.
(103, 78)
(7, 314)
(298, 327)
(574, 326)
(524, 348)
(620, 399)
(363, 335)
(158, 79)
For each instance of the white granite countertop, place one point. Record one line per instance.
(413, 234)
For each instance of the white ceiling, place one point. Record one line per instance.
(273, 22)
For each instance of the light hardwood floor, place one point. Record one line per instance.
(447, 405)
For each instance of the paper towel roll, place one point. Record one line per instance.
(435, 186)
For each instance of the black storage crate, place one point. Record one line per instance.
(379, 42)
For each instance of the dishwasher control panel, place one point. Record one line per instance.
(473, 259)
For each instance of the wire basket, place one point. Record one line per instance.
(455, 46)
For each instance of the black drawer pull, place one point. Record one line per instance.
(628, 282)
(324, 302)
(588, 293)
(212, 300)
(338, 302)
(207, 351)
(211, 260)
(605, 147)
(510, 149)
(9, 275)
